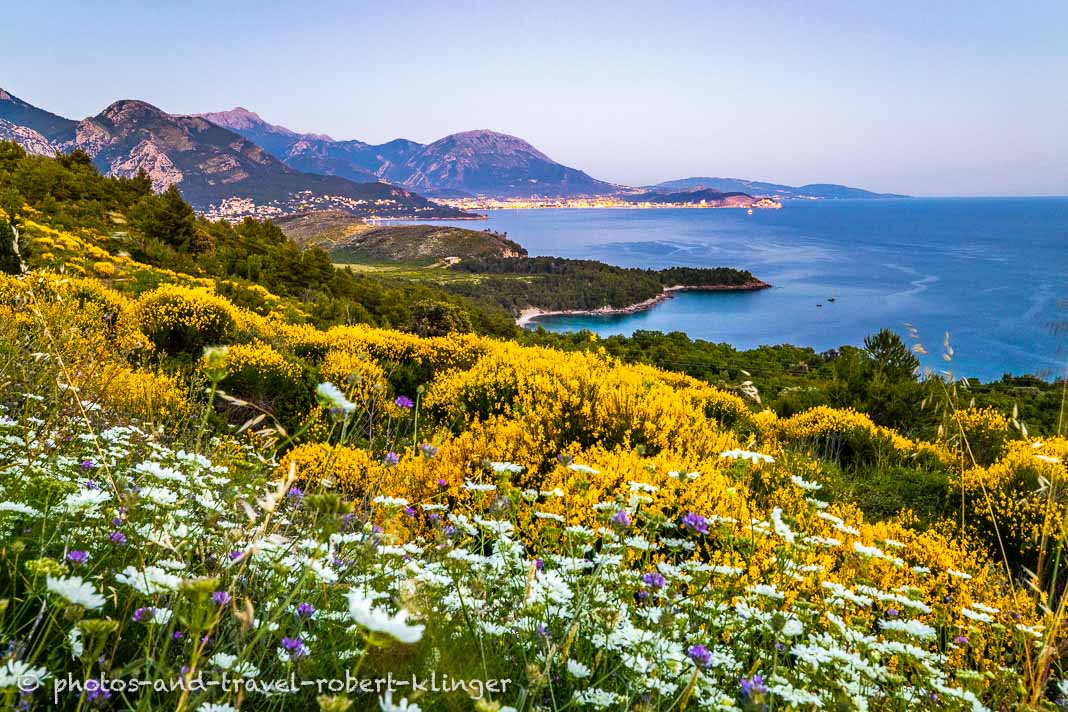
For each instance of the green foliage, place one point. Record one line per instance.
(561, 284)
(891, 356)
(432, 318)
(165, 218)
(9, 258)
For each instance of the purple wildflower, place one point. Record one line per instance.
(654, 579)
(621, 518)
(235, 555)
(177, 635)
(410, 511)
(442, 484)
(403, 402)
(295, 647)
(221, 598)
(391, 459)
(961, 640)
(695, 523)
(94, 691)
(892, 612)
(87, 464)
(305, 610)
(428, 450)
(143, 615)
(701, 655)
(753, 685)
(295, 493)
(539, 564)
(78, 557)
(118, 538)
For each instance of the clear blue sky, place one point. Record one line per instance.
(930, 98)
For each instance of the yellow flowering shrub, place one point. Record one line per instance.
(147, 395)
(361, 379)
(258, 373)
(319, 466)
(981, 434)
(581, 398)
(185, 320)
(846, 435)
(60, 299)
(1021, 498)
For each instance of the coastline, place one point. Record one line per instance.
(530, 314)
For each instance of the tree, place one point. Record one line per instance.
(892, 357)
(167, 218)
(434, 318)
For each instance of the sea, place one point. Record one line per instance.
(987, 276)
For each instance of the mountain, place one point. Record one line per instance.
(460, 165)
(490, 163)
(217, 171)
(31, 141)
(826, 191)
(706, 197)
(319, 153)
(45, 123)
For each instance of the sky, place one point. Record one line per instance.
(931, 98)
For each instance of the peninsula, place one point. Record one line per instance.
(529, 315)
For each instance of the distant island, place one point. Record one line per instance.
(778, 191)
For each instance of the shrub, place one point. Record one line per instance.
(182, 320)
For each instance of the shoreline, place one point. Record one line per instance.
(530, 314)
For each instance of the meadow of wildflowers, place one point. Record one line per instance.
(206, 498)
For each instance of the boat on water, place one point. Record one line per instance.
(749, 212)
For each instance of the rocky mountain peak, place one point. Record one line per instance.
(485, 140)
(132, 110)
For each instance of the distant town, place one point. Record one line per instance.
(605, 201)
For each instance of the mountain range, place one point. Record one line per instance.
(218, 172)
(460, 165)
(812, 191)
(232, 163)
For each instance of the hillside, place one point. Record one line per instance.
(425, 244)
(217, 171)
(349, 239)
(212, 468)
(33, 142)
(824, 191)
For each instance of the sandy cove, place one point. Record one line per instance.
(530, 314)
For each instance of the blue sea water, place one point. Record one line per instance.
(993, 273)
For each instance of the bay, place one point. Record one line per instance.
(993, 273)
